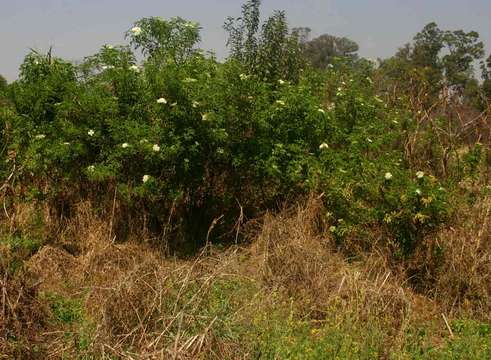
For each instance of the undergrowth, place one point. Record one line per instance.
(169, 205)
(289, 294)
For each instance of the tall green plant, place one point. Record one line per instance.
(273, 53)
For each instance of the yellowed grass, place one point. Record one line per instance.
(141, 304)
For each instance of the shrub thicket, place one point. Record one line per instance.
(184, 141)
(363, 190)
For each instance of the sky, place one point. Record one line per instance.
(78, 28)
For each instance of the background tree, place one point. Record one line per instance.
(172, 39)
(427, 46)
(251, 17)
(486, 75)
(303, 34)
(436, 58)
(272, 53)
(242, 39)
(462, 50)
(424, 54)
(3, 84)
(321, 51)
(486, 68)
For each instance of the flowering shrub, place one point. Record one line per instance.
(172, 40)
(5, 114)
(183, 131)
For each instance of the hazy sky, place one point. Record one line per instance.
(77, 28)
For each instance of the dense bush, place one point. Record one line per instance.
(182, 131)
(361, 189)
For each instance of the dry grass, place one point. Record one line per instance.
(23, 317)
(302, 261)
(140, 304)
(143, 305)
(463, 283)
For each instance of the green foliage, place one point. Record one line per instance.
(183, 132)
(475, 95)
(3, 84)
(242, 39)
(14, 250)
(5, 114)
(486, 75)
(322, 50)
(169, 40)
(427, 46)
(67, 311)
(272, 54)
(79, 330)
(185, 142)
(21, 244)
(283, 336)
(435, 59)
(463, 49)
(471, 341)
(412, 211)
(279, 334)
(472, 159)
(216, 135)
(486, 87)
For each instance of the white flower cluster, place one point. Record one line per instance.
(161, 101)
(323, 146)
(136, 31)
(191, 25)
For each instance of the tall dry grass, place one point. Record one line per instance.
(139, 303)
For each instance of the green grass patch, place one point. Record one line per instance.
(14, 250)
